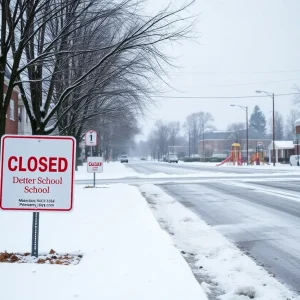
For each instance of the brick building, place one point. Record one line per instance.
(24, 127)
(219, 142)
(12, 111)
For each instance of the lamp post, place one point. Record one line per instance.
(245, 108)
(273, 99)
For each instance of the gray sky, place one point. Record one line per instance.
(245, 45)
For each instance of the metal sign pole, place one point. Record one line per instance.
(298, 163)
(94, 174)
(35, 234)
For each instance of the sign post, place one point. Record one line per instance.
(94, 165)
(35, 234)
(37, 174)
(91, 139)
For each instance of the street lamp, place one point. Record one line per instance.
(273, 98)
(245, 108)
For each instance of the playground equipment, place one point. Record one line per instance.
(259, 156)
(235, 157)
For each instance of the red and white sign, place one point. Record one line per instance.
(91, 138)
(94, 164)
(37, 173)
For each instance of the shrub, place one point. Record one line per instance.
(191, 159)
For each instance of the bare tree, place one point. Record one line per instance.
(57, 36)
(191, 125)
(205, 126)
(279, 126)
(21, 23)
(238, 130)
(174, 128)
(290, 128)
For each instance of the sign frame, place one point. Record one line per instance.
(38, 137)
(94, 143)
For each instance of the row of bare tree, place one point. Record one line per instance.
(82, 64)
(166, 135)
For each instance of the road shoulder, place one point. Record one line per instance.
(221, 267)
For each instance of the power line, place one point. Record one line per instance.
(223, 97)
(241, 84)
(237, 73)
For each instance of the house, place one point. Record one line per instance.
(11, 126)
(283, 150)
(24, 127)
(219, 142)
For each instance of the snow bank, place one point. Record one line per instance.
(232, 274)
(115, 170)
(126, 255)
(278, 166)
(111, 170)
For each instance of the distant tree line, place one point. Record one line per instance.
(165, 135)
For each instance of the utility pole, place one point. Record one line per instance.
(245, 108)
(189, 143)
(247, 135)
(272, 95)
(274, 156)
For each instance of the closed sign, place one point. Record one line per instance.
(94, 164)
(37, 173)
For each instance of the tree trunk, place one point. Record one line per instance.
(78, 156)
(2, 122)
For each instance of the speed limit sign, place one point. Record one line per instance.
(91, 138)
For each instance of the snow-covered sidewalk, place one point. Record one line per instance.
(225, 270)
(126, 255)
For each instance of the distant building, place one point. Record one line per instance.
(219, 142)
(283, 151)
(11, 126)
(24, 127)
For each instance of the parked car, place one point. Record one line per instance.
(143, 158)
(172, 158)
(294, 160)
(124, 158)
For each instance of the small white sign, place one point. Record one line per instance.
(37, 173)
(91, 138)
(94, 164)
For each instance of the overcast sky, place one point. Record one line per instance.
(245, 45)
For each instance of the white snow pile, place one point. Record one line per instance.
(228, 272)
(125, 253)
(111, 170)
(115, 170)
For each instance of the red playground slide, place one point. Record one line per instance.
(230, 158)
(225, 161)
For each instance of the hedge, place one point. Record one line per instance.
(198, 159)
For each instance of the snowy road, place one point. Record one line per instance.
(263, 219)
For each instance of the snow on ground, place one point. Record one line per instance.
(229, 272)
(278, 166)
(114, 170)
(111, 170)
(126, 255)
